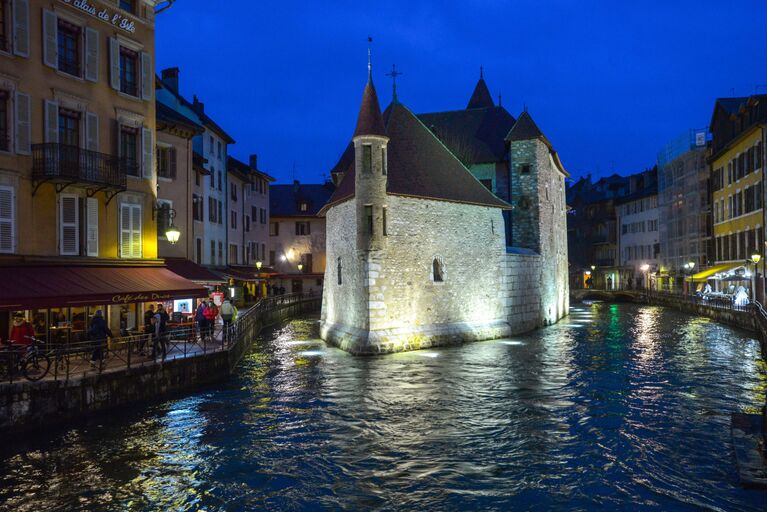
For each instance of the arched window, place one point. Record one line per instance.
(437, 270)
(338, 271)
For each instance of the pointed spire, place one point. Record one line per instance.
(370, 120)
(525, 128)
(499, 100)
(394, 74)
(481, 97)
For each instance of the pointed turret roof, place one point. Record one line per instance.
(524, 129)
(481, 97)
(418, 165)
(369, 121)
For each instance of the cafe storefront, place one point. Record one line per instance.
(60, 300)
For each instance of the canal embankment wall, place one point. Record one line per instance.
(531, 299)
(31, 405)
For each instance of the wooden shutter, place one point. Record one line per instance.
(50, 39)
(114, 63)
(125, 230)
(68, 224)
(135, 231)
(92, 223)
(23, 124)
(51, 121)
(91, 54)
(172, 162)
(21, 28)
(91, 131)
(7, 219)
(147, 152)
(147, 76)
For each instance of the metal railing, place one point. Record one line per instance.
(93, 357)
(54, 161)
(720, 302)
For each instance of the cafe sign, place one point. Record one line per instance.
(116, 19)
(139, 297)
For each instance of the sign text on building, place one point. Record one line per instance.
(116, 19)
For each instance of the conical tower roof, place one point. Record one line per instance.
(524, 129)
(369, 120)
(481, 97)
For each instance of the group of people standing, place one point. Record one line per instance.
(207, 314)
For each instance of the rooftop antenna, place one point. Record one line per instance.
(394, 74)
(524, 107)
(294, 172)
(370, 60)
(732, 91)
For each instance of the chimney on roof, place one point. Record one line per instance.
(254, 161)
(170, 78)
(197, 104)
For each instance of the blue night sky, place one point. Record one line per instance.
(609, 84)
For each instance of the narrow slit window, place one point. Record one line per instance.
(383, 222)
(383, 161)
(369, 218)
(437, 272)
(338, 272)
(367, 158)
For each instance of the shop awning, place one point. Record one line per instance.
(707, 274)
(192, 271)
(47, 286)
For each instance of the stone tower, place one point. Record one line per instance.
(539, 215)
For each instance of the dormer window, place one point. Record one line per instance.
(303, 206)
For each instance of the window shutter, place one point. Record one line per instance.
(50, 39)
(91, 54)
(92, 220)
(147, 152)
(172, 153)
(92, 131)
(114, 63)
(23, 124)
(51, 121)
(7, 219)
(68, 224)
(125, 231)
(135, 231)
(21, 28)
(147, 76)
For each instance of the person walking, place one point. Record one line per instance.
(228, 315)
(211, 313)
(202, 322)
(98, 334)
(148, 328)
(160, 337)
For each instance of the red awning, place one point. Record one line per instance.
(192, 271)
(46, 286)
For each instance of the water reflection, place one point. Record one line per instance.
(617, 406)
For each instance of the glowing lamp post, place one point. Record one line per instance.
(644, 268)
(756, 258)
(300, 267)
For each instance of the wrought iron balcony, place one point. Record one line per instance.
(67, 165)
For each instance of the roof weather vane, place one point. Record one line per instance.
(394, 74)
(370, 61)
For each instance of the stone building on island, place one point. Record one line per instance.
(417, 251)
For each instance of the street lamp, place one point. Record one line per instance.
(644, 268)
(258, 265)
(300, 267)
(172, 233)
(756, 258)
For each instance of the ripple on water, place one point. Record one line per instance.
(615, 407)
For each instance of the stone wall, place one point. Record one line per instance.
(402, 307)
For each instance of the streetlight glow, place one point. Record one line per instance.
(645, 267)
(756, 258)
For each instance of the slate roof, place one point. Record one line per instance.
(524, 129)
(475, 136)
(369, 120)
(481, 97)
(418, 165)
(245, 170)
(284, 200)
(169, 115)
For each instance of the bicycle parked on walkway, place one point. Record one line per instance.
(30, 361)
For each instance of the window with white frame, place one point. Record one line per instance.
(130, 230)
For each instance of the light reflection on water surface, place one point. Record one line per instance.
(615, 406)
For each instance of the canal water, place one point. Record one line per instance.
(617, 406)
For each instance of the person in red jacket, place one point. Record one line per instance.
(211, 313)
(22, 331)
